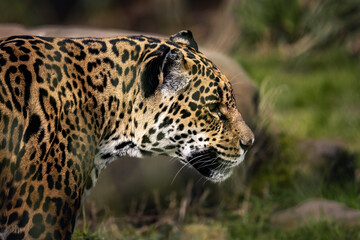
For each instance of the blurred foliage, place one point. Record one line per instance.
(158, 16)
(85, 232)
(273, 20)
(35, 12)
(319, 92)
(307, 24)
(331, 21)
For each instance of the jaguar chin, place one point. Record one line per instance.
(212, 166)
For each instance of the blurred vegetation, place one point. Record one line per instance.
(316, 98)
(304, 24)
(319, 94)
(157, 16)
(274, 21)
(304, 56)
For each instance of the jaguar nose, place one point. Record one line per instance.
(246, 144)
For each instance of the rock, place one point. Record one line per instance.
(315, 210)
(328, 159)
(353, 45)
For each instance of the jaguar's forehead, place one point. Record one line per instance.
(205, 75)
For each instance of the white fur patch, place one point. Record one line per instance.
(109, 148)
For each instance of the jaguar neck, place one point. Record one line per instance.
(117, 81)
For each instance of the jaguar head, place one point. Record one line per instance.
(191, 112)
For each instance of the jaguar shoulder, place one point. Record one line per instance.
(68, 107)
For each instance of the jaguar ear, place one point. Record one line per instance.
(151, 73)
(185, 37)
(168, 64)
(174, 75)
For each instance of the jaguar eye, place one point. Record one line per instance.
(215, 108)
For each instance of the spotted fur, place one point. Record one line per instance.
(68, 107)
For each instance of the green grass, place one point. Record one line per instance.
(240, 229)
(83, 230)
(318, 93)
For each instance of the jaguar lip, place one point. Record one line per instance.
(209, 165)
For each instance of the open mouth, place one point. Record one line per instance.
(210, 165)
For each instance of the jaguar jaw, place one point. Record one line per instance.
(210, 165)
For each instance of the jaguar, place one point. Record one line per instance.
(70, 106)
